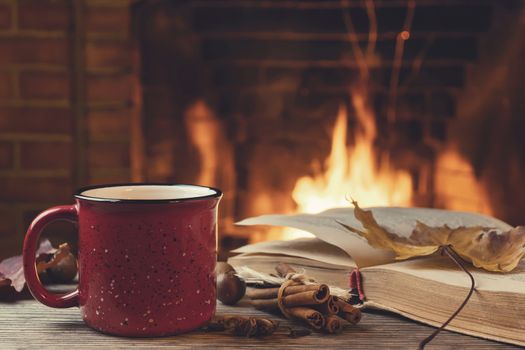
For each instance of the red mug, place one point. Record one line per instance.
(146, 257)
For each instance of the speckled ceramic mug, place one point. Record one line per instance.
(147, 256)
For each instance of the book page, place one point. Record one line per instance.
(307, 248)
(400, 221)
(442, 269)
(328, 230)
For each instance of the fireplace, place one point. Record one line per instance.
(304, 103)
(287, 106)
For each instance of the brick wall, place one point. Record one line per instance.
(45, 152)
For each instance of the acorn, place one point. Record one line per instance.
(230, 288)
(65, 271)
(223, 267)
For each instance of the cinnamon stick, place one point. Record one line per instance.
(265, 304)
(312, 297)
(348, 312)
(270, 293)
(334, 324)
(329, 307)
(314, 318)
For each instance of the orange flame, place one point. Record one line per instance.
(352, 171)
(456, 185)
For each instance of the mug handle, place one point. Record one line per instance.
(62, 212)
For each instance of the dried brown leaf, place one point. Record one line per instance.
(12, 269)
(378, 237)
(483, 246)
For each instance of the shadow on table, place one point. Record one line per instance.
(71, 326)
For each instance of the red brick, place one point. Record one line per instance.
(11, 245)
(6, 155)
(46, 155)
(44, 15)
(109, 88)
(9, 239)
(35, 190)
(7, 222)
(107, 19)
(5, 16)
(35, 120)
(44, 85)
(113, 122)
(109, 155)
(108, 54)
(33, 50)
(5, 85)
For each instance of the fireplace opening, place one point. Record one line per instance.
(297, 106)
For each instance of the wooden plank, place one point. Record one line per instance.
(30, 325)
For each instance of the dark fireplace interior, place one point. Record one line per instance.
(245, 95)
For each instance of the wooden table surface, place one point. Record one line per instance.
(27, 324)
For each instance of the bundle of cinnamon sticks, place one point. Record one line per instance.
(310, 303)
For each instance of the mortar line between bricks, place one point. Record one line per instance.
(326, 63)
(318, 5)
(21, 206)
(108, 3)
(109, 71)
(254, 89)
(35, 103)
(110, 138)
(108, 105)
(311, 36)
(109, 171)
(35, 137)
(56, 68)
(53, 173)
(38, 34)
(94, 37)
(107, 36)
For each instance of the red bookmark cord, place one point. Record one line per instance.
(355, 283)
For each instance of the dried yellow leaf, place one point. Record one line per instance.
(483, 246)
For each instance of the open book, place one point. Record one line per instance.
(427, 289)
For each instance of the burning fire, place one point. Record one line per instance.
(352, 171)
